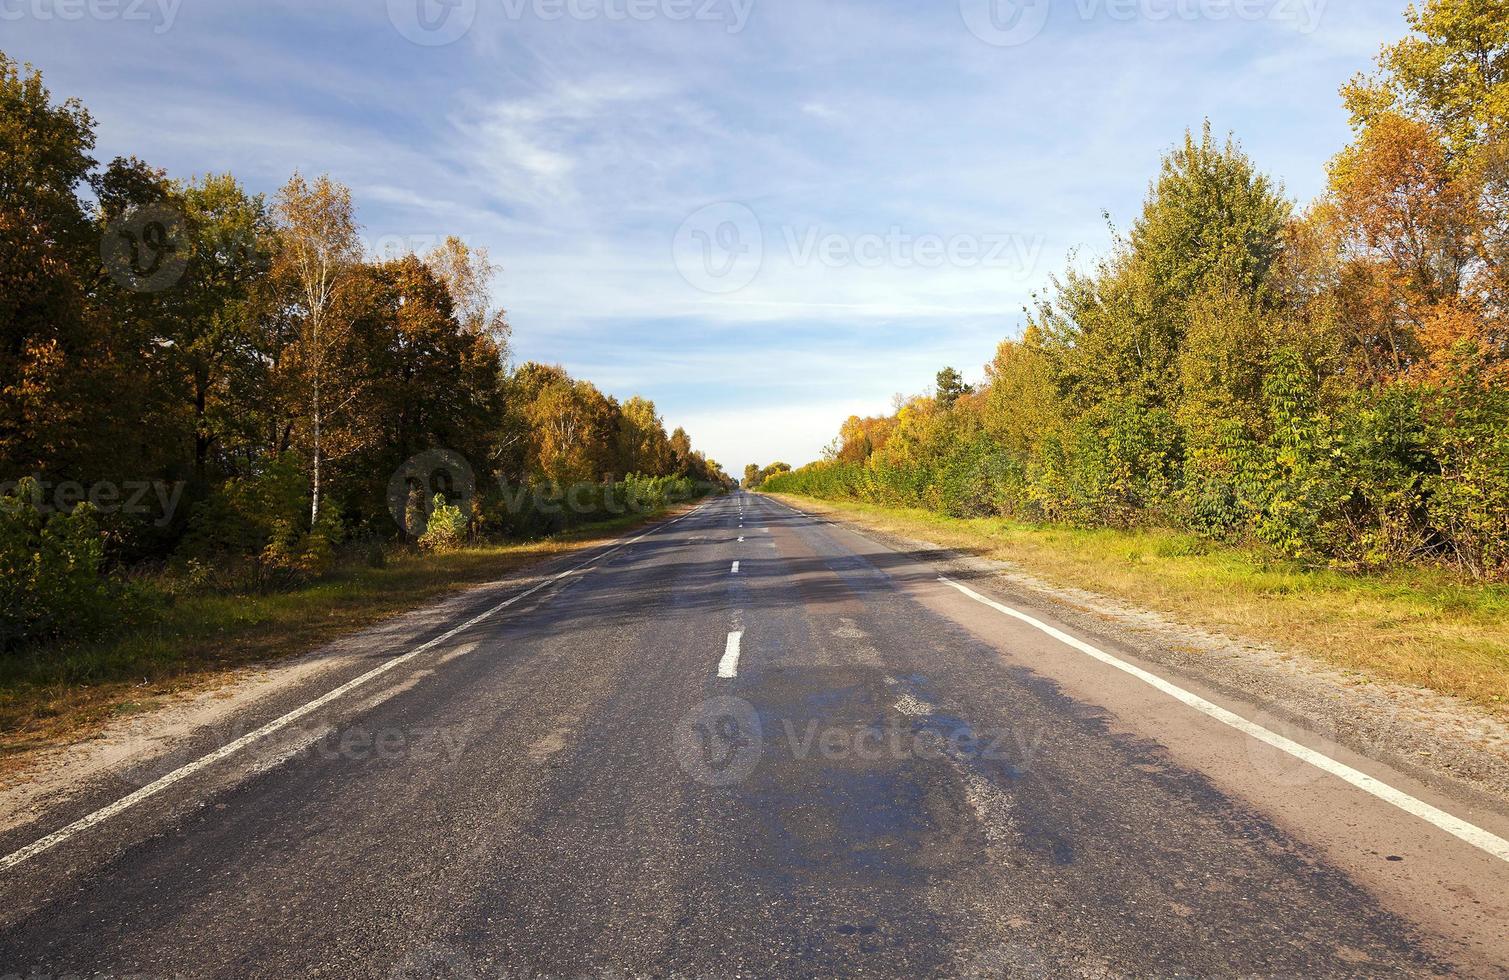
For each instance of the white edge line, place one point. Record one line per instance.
(1457, 827)
(152, 789)
(728, 667)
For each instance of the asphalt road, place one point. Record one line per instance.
(896, 780)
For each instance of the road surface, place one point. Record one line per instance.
(750, 743)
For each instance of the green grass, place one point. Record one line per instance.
(1419, 626)
(66, 692)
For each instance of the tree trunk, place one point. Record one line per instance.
(314, 509)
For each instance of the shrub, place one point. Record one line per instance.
(51, 584)
(1468, 497)
(446, 527)
(973, 480)
(1216, 498)
(1382, 460)
(538, 511)
(1300, 481)
(255, 531)
(1119, 465)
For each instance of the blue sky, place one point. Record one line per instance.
(766, 215)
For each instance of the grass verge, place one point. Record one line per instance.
(1423, 627)
(66, 693)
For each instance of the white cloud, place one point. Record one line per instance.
(574, 151)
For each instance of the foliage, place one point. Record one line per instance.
(277, 377)
(541, 510)
(51, 585)
(1331, 386)
(755, 474)
(254, 530)
(446, 528)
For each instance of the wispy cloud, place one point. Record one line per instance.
(577, 150)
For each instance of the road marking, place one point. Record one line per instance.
(736, 568)
(741, 539)
(728, 667)
(460, 651)
(1457, 827)
(230, 748)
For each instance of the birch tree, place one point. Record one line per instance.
(319, 249)
(468, 274)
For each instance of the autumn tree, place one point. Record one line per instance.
(1022, 402)
(643, 446)
(46, 235)
(210, 322)
(858, 438)
(1451, 72)
(468, 274)
(318, 251)
(428, 382)
(1422, 194)
(682, 461)
(1408, 225)
(572, 427)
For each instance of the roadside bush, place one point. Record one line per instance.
(254, 531)
(645, 494)
(51, 583)
(1217, 496)
(1300, 473)
(446, 527)
(1121, 462)
(529, 512)
(1468, 497)
(1383, 460)
(973, 480)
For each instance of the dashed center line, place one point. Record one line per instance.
(728, 667)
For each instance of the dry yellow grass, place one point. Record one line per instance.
(1424, 627)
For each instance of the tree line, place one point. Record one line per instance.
(193, 375)
(1331, 382)
(755, 475)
